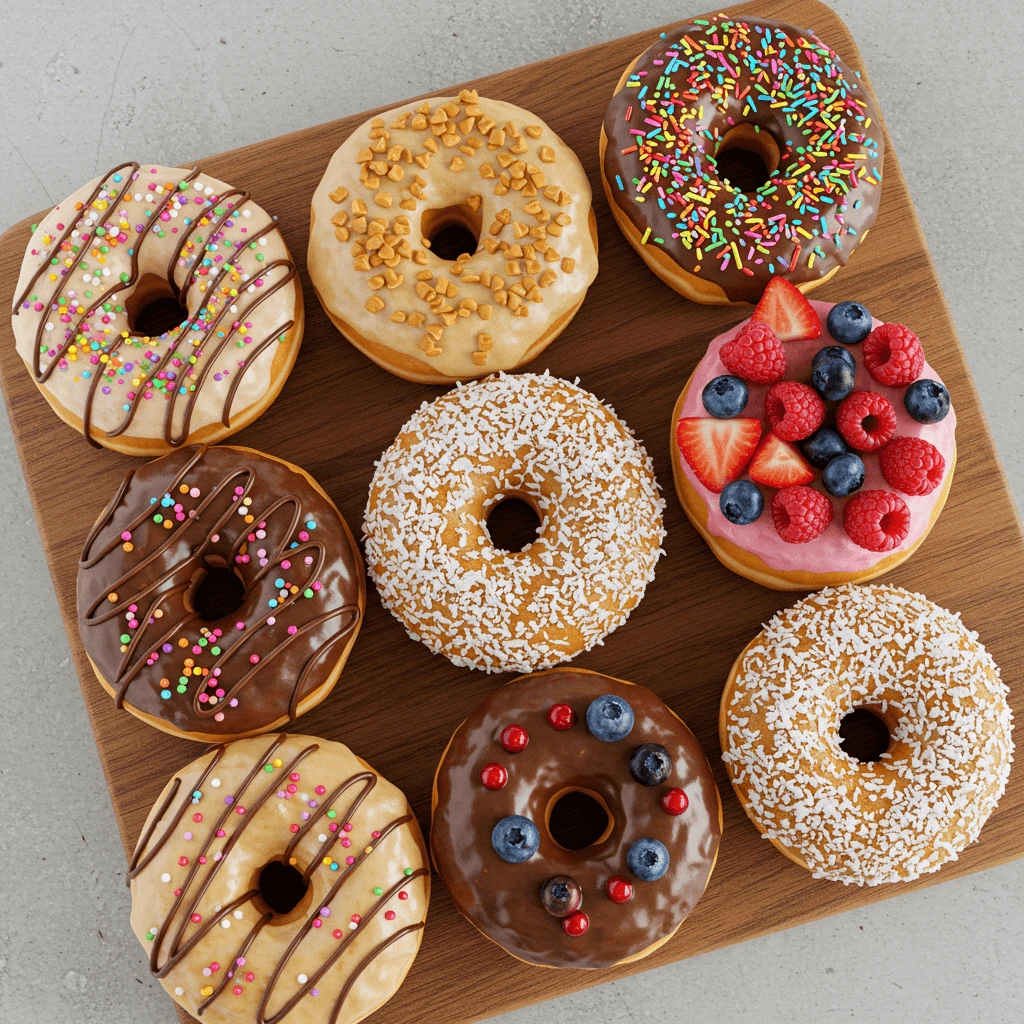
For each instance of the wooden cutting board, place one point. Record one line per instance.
(633, 343)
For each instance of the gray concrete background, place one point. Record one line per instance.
(83, 86)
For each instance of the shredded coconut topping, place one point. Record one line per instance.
(924, 673)
(592, 483)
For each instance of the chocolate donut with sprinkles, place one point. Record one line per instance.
(280, 881)
(739, 149)
(158, 307)
(219, 593)
(575, 820)
(867, 734)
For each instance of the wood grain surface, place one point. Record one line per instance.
(633, 343)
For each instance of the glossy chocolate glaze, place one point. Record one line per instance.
(502, 899)
(295, 643)
(702, 109)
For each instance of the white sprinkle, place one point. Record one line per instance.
(165, 877)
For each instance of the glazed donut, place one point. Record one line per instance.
(219, 593)
(138, 235)
(452, 239)
(280, 879)
(915, 667)
(575, 820)
(738, 149)
(553, 445)
(849, 537)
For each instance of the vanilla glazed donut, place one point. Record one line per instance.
(453, 238)
(620, 820)
(553, 445)
(219, 593)
(280, 880)
(737, 149)
(135, 236)
(937, 690)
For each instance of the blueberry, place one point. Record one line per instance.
(561, 895)
(515, 839)
(927, 401)
(832, 373)
(843, 475)
(650, 764)
(741, 502)
(725, 396)
(823, 446)
(849, 322)
(609, 718)
(648, 859)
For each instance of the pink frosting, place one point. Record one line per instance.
(833, 551)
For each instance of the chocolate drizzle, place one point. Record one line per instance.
(151, 581)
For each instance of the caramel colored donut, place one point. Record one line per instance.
(138, 235)
(553, 445)
(532, 743)
(773, 97)
(219, 593)
(757, 551)
(430, 311)
(913, 665)
(280, 879)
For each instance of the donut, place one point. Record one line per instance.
(591, 485)
(738, 149)
(280, 879)
(575, 820)
(207, 259)
(827, 503)
(452, 238)
(219, 593)
(922, 795)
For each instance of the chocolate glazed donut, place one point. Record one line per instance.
(576, 901)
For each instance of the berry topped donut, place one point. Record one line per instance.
(158, 307)
(575, 820)
(739, 149)
(452, 238)
(813, 445)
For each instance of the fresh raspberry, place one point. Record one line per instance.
(893, 355)
(866, 420)
(912, 465)
(800, 513)
(794, 410)
(877, 520)
(755, 354)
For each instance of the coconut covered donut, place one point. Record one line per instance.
(553, 445)
(280, 880)
(893, 655)
(141, 235)
(219, 593)
(452, 238)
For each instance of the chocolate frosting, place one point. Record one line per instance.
(690, 88)
(229, 507)
(502, 899)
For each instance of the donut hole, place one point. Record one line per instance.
(153, 308)
(281, 887)
(746, 157)
(513, 524)
(451, 231)
(864, 735)
(577, 818)
(216, 592)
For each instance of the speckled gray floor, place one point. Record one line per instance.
(82, 85)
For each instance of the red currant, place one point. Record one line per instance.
(561, 717)
(575, 924)
(514, 738)
(674, 801)
(619, 889)
(493, 776)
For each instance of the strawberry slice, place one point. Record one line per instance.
(784, 308)
(717, 450)
(778, 464)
